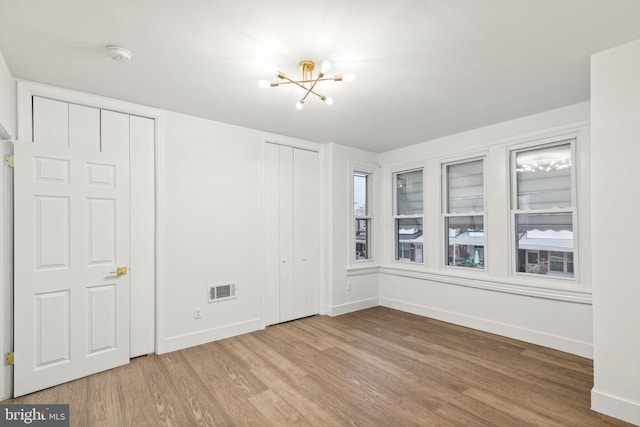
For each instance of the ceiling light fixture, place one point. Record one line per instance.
(308, 82)
(119, 54)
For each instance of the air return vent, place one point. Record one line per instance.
(222, 292)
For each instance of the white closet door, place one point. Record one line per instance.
(291, 233)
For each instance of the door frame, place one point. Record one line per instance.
(6, 266)
(25, 92)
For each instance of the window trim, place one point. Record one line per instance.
(395, 216)
(444, 192)
(572, 140)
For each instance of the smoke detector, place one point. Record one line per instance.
(119, 54)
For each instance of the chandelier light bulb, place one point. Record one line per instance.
(299, 105)
(264, 84)
(328, 100)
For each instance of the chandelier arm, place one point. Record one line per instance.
(320, 75)
(297, 83)
(334, 78)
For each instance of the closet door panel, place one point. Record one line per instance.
(50, 122)
(143, 265)
(305, 232)
(114, 132)
(287, 282)
(84, 128)
(271, 181)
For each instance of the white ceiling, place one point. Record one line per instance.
(425, 68)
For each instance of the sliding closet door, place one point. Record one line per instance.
(291, 233)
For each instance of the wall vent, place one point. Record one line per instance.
(222, 292)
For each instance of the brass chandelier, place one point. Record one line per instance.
(308, 81)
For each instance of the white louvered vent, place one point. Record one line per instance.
(222, 292)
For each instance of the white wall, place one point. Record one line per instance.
(363, 282)
(7, 99)
(211, 231)
(615, 197)
(551, 312)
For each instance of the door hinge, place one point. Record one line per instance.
(9, 160)
(8, 358)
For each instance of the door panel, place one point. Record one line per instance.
(52, 328)
(71, 227)
(52, 232)
(286, 279)
(103, 324)
(305, 232)
(142, 208)
(271, 299)
(101, 236)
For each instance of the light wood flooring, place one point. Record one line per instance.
(375, 367)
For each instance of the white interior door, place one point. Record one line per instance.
(71, 204)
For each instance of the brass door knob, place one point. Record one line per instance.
(120, 271)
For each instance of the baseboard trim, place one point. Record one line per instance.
(580, 348)
(615, 407)
(337, 310)
(180, 342)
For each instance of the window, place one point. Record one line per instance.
(543, 209)
(408, 216)
(362, 186)
(463, 214)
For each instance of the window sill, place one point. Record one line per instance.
(552, 291)
(362, 268)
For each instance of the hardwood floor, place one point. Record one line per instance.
(375, 367)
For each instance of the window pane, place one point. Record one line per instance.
(550, 236)
(360, 183)
(409, 239)
(409, 193)
(465, 241)
(465, 187)
(544, 177)
(362, 239)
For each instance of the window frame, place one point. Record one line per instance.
(572, 210)
(369, 217)
(445, 214)
(396, 217)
